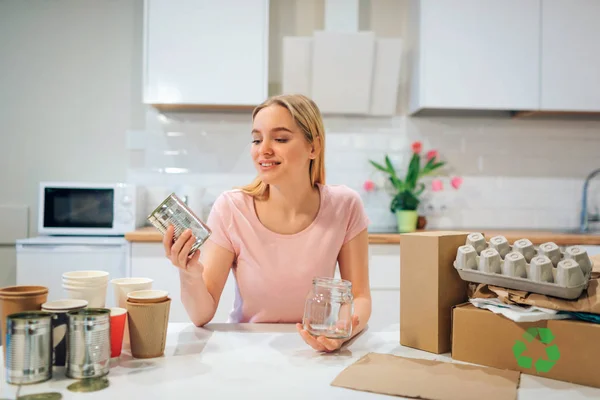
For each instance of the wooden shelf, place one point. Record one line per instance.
(150, 234)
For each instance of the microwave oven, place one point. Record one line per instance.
(89, 209)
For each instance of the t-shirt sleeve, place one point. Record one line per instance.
(357, 217)
(219, 221)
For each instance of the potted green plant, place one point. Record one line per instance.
(406, 191)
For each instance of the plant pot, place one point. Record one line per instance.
(421, 222)
(407, 220)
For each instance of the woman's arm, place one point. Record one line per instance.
(354, 266)
(201, 282)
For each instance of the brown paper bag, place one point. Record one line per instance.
(427, 379)
(588, 302)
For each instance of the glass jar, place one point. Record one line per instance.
(328, 308)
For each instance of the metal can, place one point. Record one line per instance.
(174, 211)
(88, 343)
(28, 347)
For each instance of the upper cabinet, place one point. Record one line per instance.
(509, 55)
(206, 52)
(475, 54)
(570, 55)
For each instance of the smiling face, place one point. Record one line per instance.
(280, 151)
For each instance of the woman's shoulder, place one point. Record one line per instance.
(346, 209)
(343, 198)
(341, 195)
(232, 204)
(232, 199)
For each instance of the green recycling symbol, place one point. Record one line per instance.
(546, 338)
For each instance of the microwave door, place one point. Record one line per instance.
(78, 210)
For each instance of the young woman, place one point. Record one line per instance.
(280, 231)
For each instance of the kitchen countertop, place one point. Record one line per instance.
(536, 236)
(232, 361)
(151, 234)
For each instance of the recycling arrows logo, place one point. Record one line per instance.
(546, 337)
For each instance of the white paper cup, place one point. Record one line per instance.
(64, 305)
(123, 286)
(83, 284)
(95, 296)
(86, 276)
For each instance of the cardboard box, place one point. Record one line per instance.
(429, 288)
(571, 351)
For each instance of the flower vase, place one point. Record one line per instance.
(407, 220)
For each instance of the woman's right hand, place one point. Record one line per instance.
(178, 252)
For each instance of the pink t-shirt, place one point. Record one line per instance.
(273, 271)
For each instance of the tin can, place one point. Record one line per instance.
(88, 343)
(28, 347)
(174, 211)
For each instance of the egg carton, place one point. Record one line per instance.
(544, 269)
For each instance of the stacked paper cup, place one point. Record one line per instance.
(86, 285)
(121, 288)
(148, 320)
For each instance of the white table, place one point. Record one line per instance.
(234, 361)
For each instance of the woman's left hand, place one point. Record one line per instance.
(322, 343)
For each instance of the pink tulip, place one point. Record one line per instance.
(369, 186)
(456, 182)
(431, 154)
(437, 185)
(416, 147)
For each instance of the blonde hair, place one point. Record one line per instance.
(308, 117)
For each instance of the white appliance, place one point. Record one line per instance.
(80, 208)
(42, 260)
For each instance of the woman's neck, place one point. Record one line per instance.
(291, 199)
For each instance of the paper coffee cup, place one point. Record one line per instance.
(148, 324)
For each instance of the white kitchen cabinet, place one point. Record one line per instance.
(148, 260)
(476, 54)
(206, 52)
(570, 55)
(384, 277)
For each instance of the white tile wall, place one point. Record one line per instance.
(517, 173)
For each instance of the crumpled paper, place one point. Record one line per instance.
(588, 302)
(518, 313)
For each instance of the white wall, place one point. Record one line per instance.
(517, 173)
(69, 89)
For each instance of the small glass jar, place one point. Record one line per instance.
(328, 308)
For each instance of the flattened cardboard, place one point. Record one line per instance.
(482, 337)
(429, 287)
(410, 377)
